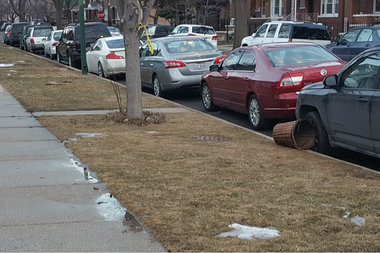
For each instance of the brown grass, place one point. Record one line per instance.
(187, 191)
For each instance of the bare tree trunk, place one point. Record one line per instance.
(241, 21)
(129, 11)
(19, 7)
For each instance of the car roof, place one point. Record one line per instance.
(196, 25)
(178, 38)
(276, 45)
(112, 38)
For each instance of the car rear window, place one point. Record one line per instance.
(42, 32)
(298, 55)
(184, 46)
(57, 35)
(203, 30)
(17, 28)
(93, 32)
(310, 32)
(119, 43)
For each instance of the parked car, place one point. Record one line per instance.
(7, 33)
(38, 35)
(107, 57)
(4, 25)
(197, 30)
(15, 31)
(355, 41)
(24, 34)
(176, 62)
(157, 31)
(263, 81)
(114, 31)
(51, 43)
(288, 31)
(69, 47)
(345, 108)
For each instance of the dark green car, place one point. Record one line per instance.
(24, 35)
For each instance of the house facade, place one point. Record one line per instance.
(337, 15)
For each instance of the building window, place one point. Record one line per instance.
(302, 4)
(330, 7)
(276, 8)
(377, 6)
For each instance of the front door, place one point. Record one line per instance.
(349, 106)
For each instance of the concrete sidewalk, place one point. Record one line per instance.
(46, 202)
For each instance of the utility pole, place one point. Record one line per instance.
(82, 39)
(294, 10)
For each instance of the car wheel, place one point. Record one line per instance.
(206, 98)
(157, 88)
(322, 144)
(101, 70)
(255, 114)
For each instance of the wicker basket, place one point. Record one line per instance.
(299, 134)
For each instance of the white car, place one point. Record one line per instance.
(288, 31)
(37, 38)
(51, 43)
(197, 30)
(107, 57)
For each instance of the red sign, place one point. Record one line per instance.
(100, 14)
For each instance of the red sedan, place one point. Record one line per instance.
(263, 81)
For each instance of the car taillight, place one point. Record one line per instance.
(55, 44)
(215, 37)
(73, 46)
(32, 40)
(113, 56)
(219, 59)
(191, 34)
(291, 80)
(8, 33)
(290, 39)
(173, 64)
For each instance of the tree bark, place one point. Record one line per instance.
(129, 12)
(241, 21)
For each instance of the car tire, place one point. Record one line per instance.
(52, 56)
(255, 114)
(206, 97)
(157, 88)
(101, 70)
(322, 144)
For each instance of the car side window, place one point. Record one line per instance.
(363, 75)
(284, 31)
(231, 61)
(49, 37)
(272, 31)
(247, 62)
(365, 36)
(351, 35)
(261, 32)
(183, 29)
(146, 51)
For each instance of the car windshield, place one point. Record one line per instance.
(298, 55)
(119, 43)
(113, 29)
(203, 30)
(185, 46)
(310, 33)
(42, 32)
(57, 35)
(93, 32)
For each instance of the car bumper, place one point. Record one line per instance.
(53, 50)
(174, 79)
(284, 106)
(114, 67)
(37, 46)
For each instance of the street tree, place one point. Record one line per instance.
(6, 11)
(241, 21)
(133, 13)
(20, 8)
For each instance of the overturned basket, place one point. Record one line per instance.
(299, 134)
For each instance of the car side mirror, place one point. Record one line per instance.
(214, 67)
(331, 81)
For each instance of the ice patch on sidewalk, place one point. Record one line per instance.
(3, 65)
(249, 233)
(110, 208)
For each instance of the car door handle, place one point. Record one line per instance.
(362, 100)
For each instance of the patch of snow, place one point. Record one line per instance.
(2, 65)
(152, 132)
(9, 75)
(346, 215)
(82, 168)
(249, 233)
(110, 208)
(326, 205)
(89, 135)
(20, 61)
(360, 221)
(12, 70)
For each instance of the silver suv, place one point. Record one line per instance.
(345, 108)
(288, 31)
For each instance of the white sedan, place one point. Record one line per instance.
(51, 43)
(107, 57)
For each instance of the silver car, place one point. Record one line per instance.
(176, 62)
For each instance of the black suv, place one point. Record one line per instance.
(157, 31)
(15, 32)
(68, 48)
(345, 108)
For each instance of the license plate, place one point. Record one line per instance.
(198, 66)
